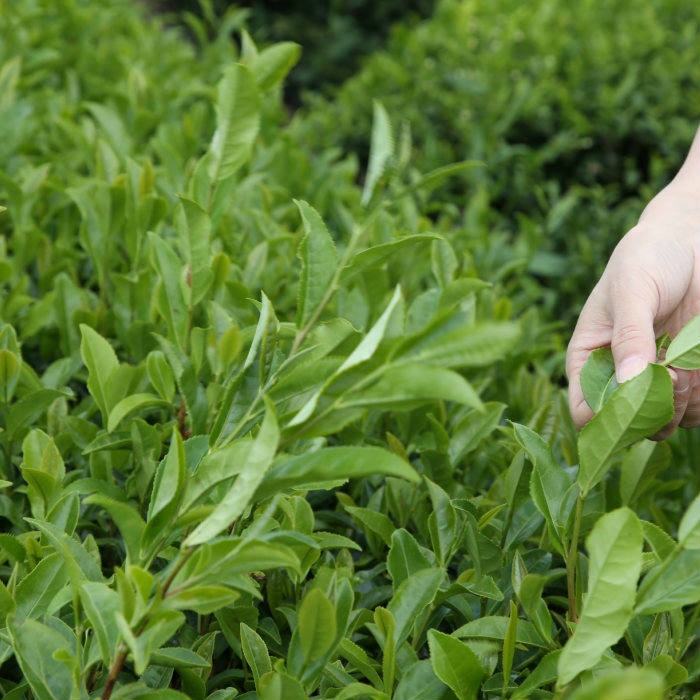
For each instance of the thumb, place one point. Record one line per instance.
(633, 342)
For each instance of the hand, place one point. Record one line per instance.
(650, 286)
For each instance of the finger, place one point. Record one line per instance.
(691, 418)
(634, 302)
(593, 330)
(681, 396)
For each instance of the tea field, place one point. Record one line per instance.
(283, 412)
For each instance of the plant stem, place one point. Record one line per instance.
(114, 673)
(118, 664)
(572, 558)
(185, 554)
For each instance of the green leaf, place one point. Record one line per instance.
(622, 684)
(661, 544)
(472, 429)
(495, 627)
(332, 464)
(437, 176)
(598, 380)
(386, 626)
(469, 345)
(130, 404)
(127, 519)
(358, 658)
(202, 599)
(100, 604)
(80, 565)
(255, 652)
(35, 644)
(171, 301)
(193, 228)
(27, 409)
(640, 465)
(277, 685)
(378, 254)
(509, 645)
(549, 483)
(411, 597)
(160, 375)
(247, 482)
(637, 409)
(179, 657)
(410, 384)
(689, 528)
(543, 674)
(405, 557)
(381, 150)
(455, 664)
(273, 63)
(673, 583)
(615, 560)
(101, 361)
(237, 123)
(9, 374)
(374, 521)
(37, 589)
(165, 495)
(684, 350)
(317, 625)
(530, 596)
(319, 260)
(234, 402)
(169, 477)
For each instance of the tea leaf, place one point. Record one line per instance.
(684, 350)
(238, 497)
(381, 149)
(637, 409)
(319, 260)
(615, 560)
(455, 664)
(598, 380)
(237, 123)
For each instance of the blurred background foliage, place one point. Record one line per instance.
(335, 34)
(580, 110)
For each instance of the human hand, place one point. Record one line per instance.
(650, 286)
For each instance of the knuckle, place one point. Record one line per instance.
(625, 334)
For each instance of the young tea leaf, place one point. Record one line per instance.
(615, 560)
(637, 409)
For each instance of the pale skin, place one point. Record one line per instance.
(650, 286)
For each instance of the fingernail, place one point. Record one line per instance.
(674, 375)
(630, 367)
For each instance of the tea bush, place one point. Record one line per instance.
(253, 416)
(577, 108)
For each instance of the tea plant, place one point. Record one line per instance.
(253, 416)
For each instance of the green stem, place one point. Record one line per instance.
(572, 558)
(116, 667)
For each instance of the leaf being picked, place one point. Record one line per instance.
(684, 350)
(598, 378)
(639, 408)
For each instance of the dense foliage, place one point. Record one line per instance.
(336, 34)
(267, 433)
(581, 110)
